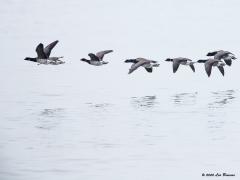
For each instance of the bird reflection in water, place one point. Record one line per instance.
(185, 98)
(222, 98)
(51, 112)
(144, 102)
(216, 115)
(50, 118)
(100, 107)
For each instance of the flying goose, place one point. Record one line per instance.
(225, 55)
(209, 63)
(43, 55)
(147, 64)
(97, 59)
(183, 61)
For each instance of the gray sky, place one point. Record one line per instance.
(138, 28)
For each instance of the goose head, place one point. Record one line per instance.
(169, 59)
(30, 59)
(85, 60)
(27, 58)
(130, 61)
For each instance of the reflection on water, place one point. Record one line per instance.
(185, 98)
(50, 118)
(217, 118)
(47, 130)
(222, 98)
(52, 95)
(144, 102)
(56, 112)
(215, 127)
(99, 105)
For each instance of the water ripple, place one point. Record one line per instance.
(144, 102)
(184, 98)
(222, 98)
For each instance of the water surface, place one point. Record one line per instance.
(77, 121)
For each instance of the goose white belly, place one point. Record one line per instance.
(56, 62)
(42, 61)
(219, 64)
(97, 63)
(52, 62)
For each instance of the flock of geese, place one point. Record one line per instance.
(217, 59)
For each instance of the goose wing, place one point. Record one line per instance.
(93, 57)
(192, 67)
(228, 61)
(219, 55)
(101, 54)
(222, 54)
(149, 69)
(40, 52)
(176, 63)
(137, 65)
(47, 50)
(144, 59)
(182, 59)
(221, 69)
(208, 66)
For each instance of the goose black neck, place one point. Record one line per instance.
(31, 59)
(85, 60)
(131, 61)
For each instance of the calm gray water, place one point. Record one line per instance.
(76, 121)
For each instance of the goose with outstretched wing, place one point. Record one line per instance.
(141, 62)
(97, 59)
(43, 55)
(223, 55)
(176, 62)
(209, 63)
